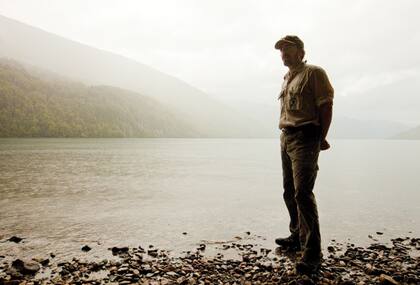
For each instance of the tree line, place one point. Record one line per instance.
(31, 106)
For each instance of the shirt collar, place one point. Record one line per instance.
(295, 70)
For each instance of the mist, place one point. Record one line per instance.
(225, 52)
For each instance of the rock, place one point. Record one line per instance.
(191, 281)
(181, 280)
(26, 267)
(347, 282)
(146, 268)
(184, 233)
(86, 248)
(122, 270)
(387, 280)
(152, 252)
(119, 250)
(331, 249)
(11, 282)
(42, 261)
(15, 239)
(202, 247)
(141, 250)
(379, 233)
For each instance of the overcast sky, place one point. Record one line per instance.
(226, 47)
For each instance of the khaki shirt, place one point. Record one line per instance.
(303, 92)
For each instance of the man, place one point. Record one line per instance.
(306, 112)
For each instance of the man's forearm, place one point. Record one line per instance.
(325, 116)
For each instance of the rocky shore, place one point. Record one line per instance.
(396, 262)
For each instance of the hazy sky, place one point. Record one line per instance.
(226, 47)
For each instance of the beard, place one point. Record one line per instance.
(287, 61)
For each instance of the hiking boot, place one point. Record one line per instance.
(290, 242)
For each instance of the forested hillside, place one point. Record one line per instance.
(34, 106)
(89, 65)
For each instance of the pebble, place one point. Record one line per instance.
(15, 239)
(86, 248)
(26, 267)
(346, 265)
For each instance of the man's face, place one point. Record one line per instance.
(290, 55)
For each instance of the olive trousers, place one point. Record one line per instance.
(299, 154)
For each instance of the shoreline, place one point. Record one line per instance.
(229, 262)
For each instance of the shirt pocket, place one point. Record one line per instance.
(294, 101)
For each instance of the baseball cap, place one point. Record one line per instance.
(289, 39)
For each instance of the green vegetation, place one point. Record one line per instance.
(32, 106)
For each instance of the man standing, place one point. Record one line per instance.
(306, 112)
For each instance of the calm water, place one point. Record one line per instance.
(60, 194)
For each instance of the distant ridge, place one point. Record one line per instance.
(412, 134)
(92, 66)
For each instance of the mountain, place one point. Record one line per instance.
(349, 128)
(397, 101)
(92, 66)
(412, 134)
(342, 127)
(31, 106)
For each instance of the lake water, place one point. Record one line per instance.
(60, 194)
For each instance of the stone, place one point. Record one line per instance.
(202, 247)
(331, 249)
(15, 239)
(122, 270)
(347, 282)
(152, 252)
(26, 267)
(119, 250)
(387, 280)
(45, 262)
(86, 248)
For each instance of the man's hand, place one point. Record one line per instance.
(324, 145)
(325, 121)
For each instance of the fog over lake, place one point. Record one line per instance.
(224, 51)
(60, 194)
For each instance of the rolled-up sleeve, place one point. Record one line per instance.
(322, 88)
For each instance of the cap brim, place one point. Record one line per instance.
(282, 42)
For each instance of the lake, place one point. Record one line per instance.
(60, 194)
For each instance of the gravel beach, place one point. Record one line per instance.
(230, 262)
